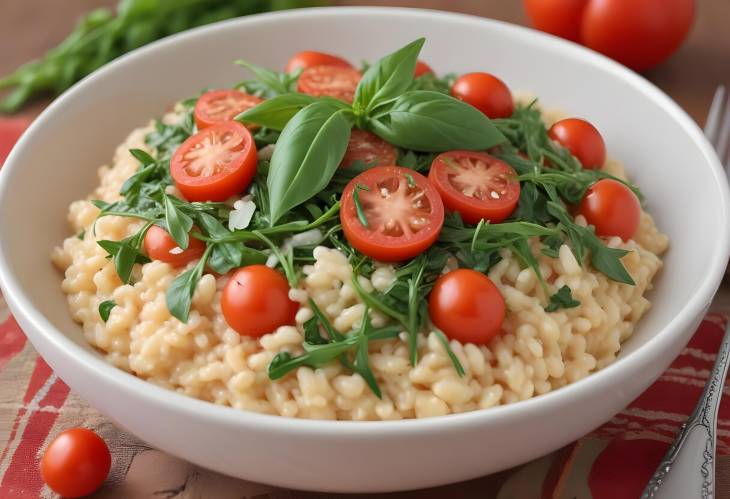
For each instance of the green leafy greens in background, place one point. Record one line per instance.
(102, 36)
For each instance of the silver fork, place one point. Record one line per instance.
(687, 470)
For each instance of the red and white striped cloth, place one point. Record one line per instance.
(612, 462)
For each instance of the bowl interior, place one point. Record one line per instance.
(56, 161)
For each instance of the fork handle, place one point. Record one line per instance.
(688, 468)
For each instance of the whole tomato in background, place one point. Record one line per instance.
(637, 33)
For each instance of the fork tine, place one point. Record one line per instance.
(712, 125)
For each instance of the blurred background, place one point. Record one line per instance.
(698, 62)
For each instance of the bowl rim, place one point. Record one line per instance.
(21, 305)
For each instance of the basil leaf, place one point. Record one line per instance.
(178, 223)
(179, 295)
(276, 112)
(563, 298)
(308, 152)
(432, 122)
(105, 309)
(388, 77)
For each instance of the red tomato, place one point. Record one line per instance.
(582, 139)
(475, 184)
(334, 81)
(368, 148)
(256, 301)
(467, 306)
(404, 213)
(557, 17)
(159, 245)
(76, 463)
(485, 92)
(310, 58)
(637, 34)
(220, 106)
(10, 131)
(612, 208)
(421, 69)
(215, 163)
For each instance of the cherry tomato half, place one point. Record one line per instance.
(310, 58)
(220, 106)
(76, 463)
(215, 163)
(612, 208)
(467, 306)
(476, 185)
(256, 301)
(582, 139)
(368, 148)
(485, 92)
(159, 245)
(335, 81)
(421, 69)
(402, 211)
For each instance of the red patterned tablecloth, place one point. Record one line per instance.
(612, 462)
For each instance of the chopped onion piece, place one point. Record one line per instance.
(241, 214)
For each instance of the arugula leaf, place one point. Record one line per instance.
(320, 354)
(429, 81)
(179, 295)
(143, 157)
(454, 359)
(433, 122)
(387, 78)
(276, 112)
(178, 223)
(126, 253)
(604, 259)
(105, 309)
(361, 365)
(607, 260)
(268, 83)
(308, 152)
(563, 298)
(332, 333)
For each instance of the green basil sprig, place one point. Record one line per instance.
(306, 157)
(387, 79)
(315, 130)
(431, 121)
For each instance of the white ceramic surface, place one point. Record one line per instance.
(55, 162)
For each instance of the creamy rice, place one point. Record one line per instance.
(536, 352)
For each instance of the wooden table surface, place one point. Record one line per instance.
(30, 27)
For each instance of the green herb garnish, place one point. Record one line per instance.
(105, 309)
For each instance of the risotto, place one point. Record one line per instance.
(359, 333)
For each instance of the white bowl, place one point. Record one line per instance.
(56, 160)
